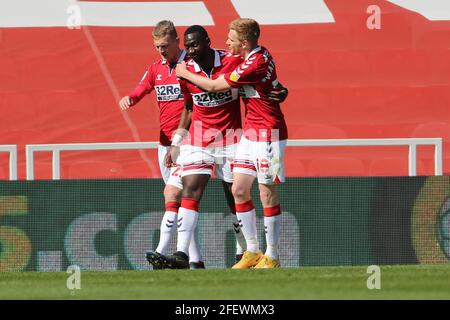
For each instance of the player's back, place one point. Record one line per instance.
(256, 78)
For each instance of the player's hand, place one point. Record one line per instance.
(170, 159)
(278, 94)
(181, 69)
(125, 103)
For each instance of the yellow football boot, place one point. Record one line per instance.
(248, 260)
(268, 263)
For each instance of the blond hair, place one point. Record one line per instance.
(164, 28)
(246, 29)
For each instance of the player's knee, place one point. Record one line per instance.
(240, 193)
(265, 196)
(191, 191)
(172, 193)
(268, 195)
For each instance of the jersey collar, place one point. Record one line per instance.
(257, 49)
(180, 58)
(217, 62)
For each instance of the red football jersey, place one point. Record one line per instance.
(216, 117)
(162, 77)
(256, 77)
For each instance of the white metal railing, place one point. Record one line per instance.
(12, 149)
(57, 148)
(411, 142)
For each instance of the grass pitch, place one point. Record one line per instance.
(397, 282)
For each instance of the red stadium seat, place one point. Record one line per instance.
(348, 67)
(4, 172)
(316, 131)
(395, 167)
(294, 162)
(295, 168)
(23, 137)
(329, 167)
(95, 169)
(433, 130)
(43, 170)
(20, 111)
(141, 170)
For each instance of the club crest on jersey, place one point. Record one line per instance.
(158, 77)
(213, 99)
(168, 92)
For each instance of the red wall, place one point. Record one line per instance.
(346, 81)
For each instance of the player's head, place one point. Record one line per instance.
(196, 42)
(243, 35)
(165, 39)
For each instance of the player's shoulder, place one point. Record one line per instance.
(228, 59)
(190, 64)
(228, 56)
(262, 54)
(186, 58)
(155, 65)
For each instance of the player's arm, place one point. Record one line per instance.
(207, 84)
(185, 120)
(180, 133)
(279, 93)
(144, 87)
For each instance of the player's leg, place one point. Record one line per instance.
(241, 245)
(245, 211)
(224, 157)
(193, 187)
(195, 256)
(196, 170)
(172, 199)
(270, 174)
(272, 224)
(246, 214)
(244, 173)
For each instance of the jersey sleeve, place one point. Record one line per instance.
(250, 71)
(185, 90)
(145, 86)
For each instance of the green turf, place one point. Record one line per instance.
(397, 282)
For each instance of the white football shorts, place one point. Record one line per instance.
(264, 160)
(202, 160)
(171, 175)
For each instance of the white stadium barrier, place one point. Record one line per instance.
(12, 149)
(56, 149)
